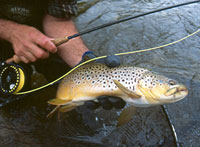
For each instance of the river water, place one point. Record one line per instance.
(24, 123)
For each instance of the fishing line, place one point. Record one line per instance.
(118, 54)
(101, 57)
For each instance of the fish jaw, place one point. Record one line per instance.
(175, 93)
(155, 96)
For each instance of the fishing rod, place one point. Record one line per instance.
(9, 70)
(65, 39)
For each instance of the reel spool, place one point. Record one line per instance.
(12, 78)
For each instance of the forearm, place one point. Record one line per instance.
(72, 51)
(6, 27)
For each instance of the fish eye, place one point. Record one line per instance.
(171, 82)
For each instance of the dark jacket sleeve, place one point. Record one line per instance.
(62, 8)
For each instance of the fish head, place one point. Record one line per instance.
(158, 89)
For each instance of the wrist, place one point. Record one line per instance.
(12, 28)
(6, 29)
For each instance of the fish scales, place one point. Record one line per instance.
(97, 79)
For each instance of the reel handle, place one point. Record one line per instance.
(57, 42)
(15, 59)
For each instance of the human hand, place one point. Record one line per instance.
(106, 102)
(30, 44)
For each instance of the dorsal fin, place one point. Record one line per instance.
(126, 91)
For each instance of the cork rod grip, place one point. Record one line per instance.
(60, 41)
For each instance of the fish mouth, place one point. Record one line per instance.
(175, 93)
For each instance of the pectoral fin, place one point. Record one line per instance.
(58, 102)
(126, 115)
(126, 91)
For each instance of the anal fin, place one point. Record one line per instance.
(68, 108)
(53, 111)
(58, 101)
(126, 115)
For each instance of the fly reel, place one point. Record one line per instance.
(12, 78)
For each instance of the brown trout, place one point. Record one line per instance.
(136, 86)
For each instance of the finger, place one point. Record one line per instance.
(23, 59)
(46, 44)
(112, 61)
(30, 56)
(38, 52)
